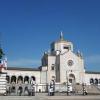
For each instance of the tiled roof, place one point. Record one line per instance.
(91, 72)
(3, 73)
(23, 69)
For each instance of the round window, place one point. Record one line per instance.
(70, 62)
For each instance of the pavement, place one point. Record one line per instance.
(46, 97)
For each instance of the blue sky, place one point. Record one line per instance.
(29, 26)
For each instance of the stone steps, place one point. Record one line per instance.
(91, 89)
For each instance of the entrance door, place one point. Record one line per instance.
(71, 78)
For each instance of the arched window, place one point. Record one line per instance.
(26, 79)
(33, 78)
(99, 81)
(96, 81)
(8, 79)
(20, 79)
(13, 79)
(91, 81)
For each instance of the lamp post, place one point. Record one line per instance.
(33, 87)
(68, 87)
(84, 86)
(84, 89)
(52, 88)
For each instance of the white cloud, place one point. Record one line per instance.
(93, 59)
(23, 62)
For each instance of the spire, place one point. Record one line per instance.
(61, 36)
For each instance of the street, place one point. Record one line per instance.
(45, 97)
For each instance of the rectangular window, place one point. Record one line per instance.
(66, 47)
(52, 67)
(53, 77)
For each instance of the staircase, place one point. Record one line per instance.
(78, 89)
(91, 89)
(2, 83)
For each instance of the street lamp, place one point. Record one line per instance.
(83, 85)
(52, 88)
(68, 87)
(84, 89)
(33, 87)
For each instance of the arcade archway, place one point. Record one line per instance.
(13, 79)
(20, 79)
(96, 81)
(33, 80)
(91, 81)
(26, 79)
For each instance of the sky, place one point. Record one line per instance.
(28, 27)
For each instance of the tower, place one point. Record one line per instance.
(69, 65)
(62, 64)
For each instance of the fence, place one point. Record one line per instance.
(27, 89)
(15, 89)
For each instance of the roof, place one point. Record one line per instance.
(23, 69)
(61, 41)
(91, 72)
(3, 73)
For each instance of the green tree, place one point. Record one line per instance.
(1, 53)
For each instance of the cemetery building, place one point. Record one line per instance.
(60, 64)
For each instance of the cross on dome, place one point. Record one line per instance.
(61, 36)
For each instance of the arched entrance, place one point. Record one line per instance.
(20, 79)
(13, 89)
(71, 78)
(99, 81)
(91, 81)
(33, 80)
(20, 90)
